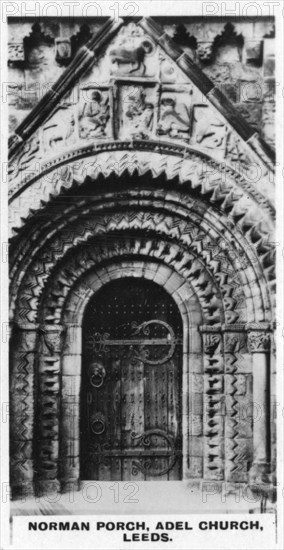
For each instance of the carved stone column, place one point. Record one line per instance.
(214, 406)
(70, 407)
(47, 433)
(259, 339)
(23, 350)
(238, 398)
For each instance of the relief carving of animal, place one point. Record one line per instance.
(134, 57)
(59, 132)
(211, 131)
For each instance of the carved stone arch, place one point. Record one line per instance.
(82, 259)
(68, 352)
(74, 269)
(182, 291)
(230, 190)
(204, 221)
(199, 228)
(182, 204)
(49, 365)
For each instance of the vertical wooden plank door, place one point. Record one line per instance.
(131, 395)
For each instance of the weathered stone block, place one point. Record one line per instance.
(195, 444)
(69, 448)
(235, 342)
(47, 469)
(21, 471)
(214, 404)
(239, 456)
(238, 362)
(22, 385)
(21, 450)
(214, 445)
(49, 427)
(238, 427)
(72, 340)
(195, 469)
(70, 468)
(196, 362)
(238, 384)
(213, 470)
(22, 422)
(213, 384)
(195, 424)
(196, 404)
(214, 426)
(49, 366)
(214, 364)
(71, 365)
(48, 450)
(195, 383)
(70, 424)
(71, 388)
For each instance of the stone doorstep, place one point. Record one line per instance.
(190, 496)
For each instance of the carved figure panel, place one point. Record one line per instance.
(94, 115)
(132, 52)
(175, 114)
(136, 106)
(59, 131)
(209, 130)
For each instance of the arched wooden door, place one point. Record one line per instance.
(131, 399)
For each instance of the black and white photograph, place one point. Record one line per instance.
(142, 208)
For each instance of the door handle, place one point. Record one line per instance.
(98, 424)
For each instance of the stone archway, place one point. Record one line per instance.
(140, 226)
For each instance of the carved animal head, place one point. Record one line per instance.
(96, 374)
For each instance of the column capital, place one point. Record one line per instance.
(259, 341)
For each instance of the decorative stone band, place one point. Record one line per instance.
(259, 335)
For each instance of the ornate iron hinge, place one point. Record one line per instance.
(139, 348)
